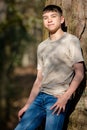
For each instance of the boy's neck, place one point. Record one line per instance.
(57, 35)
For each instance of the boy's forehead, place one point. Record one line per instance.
(49, 12)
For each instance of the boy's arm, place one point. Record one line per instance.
(36, 88)
(62, 100)
(34, 92)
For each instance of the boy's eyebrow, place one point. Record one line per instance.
(54, 13)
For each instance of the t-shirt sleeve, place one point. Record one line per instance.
(75, 51)
(39, 60)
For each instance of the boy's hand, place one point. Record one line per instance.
(60, 105)
(22, 111)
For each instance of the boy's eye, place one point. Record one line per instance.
(53, 16)
(44, 18)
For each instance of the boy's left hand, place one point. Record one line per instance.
(60, 105)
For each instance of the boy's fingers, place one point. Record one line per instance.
(53, 106)
(59, 111)
(55, 110)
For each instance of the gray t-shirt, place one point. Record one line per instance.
(56, 60)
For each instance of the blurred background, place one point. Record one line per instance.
(21, 30)
(20, 33)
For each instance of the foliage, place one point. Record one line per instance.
(17, 31)
(13, 32)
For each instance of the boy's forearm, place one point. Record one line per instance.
(34, 92)
(35, 89)
(74, 84)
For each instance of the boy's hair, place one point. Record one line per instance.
(53, 8)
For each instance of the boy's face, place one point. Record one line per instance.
(52, 21)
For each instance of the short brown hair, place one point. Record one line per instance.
(53, 8)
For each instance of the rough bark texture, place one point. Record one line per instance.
(75, 13)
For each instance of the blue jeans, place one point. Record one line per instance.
(39, 110)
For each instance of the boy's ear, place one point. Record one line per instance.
(62, 19)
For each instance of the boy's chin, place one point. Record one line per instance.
(52, 31)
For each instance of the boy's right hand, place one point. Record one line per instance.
(22, 111)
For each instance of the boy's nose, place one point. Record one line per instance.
(49, 19)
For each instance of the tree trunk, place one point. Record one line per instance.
(75, 13)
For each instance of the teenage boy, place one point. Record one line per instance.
(59, 73)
